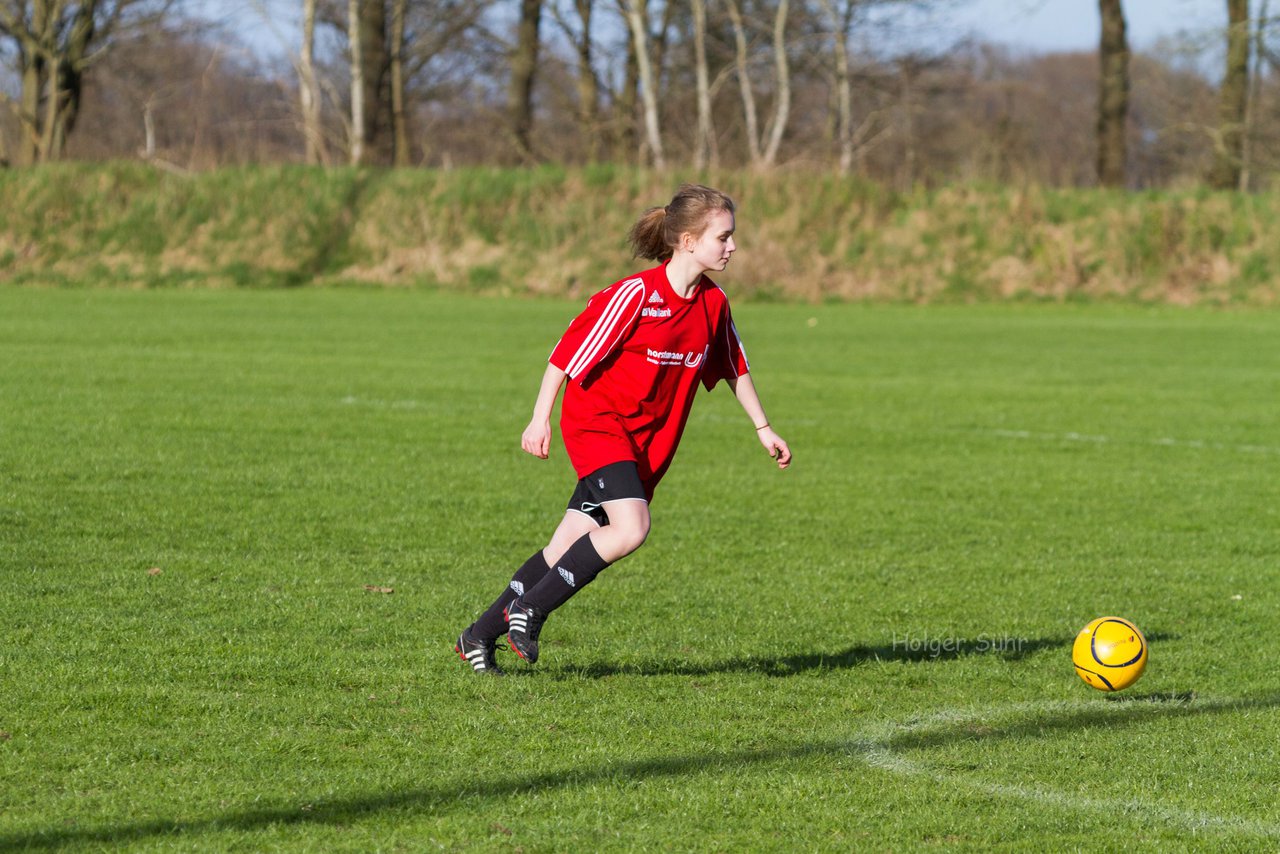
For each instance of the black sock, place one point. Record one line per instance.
(492, 622)
(574, 571)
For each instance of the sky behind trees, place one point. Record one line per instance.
(1040, 26)
(1052, 25)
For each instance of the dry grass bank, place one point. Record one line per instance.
(555, 231)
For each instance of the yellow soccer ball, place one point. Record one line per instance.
(1109, 654)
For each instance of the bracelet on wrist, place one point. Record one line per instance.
(762, 426)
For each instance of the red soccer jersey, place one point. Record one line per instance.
(634, 358)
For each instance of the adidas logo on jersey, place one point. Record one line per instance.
(656, 307)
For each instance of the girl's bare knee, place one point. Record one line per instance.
(633, 530)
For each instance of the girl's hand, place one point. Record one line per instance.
(774, 444)
(537, 438)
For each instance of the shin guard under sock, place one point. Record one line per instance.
(493, 623)
(577, 568)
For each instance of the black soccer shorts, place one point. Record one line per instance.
(614, 482)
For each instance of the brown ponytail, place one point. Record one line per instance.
(657, 233)
(648, 235)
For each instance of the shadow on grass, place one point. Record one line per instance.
(475, 794)
(1007, 648)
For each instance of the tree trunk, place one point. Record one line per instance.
(49, 124)
(1113, 95)
(1255, 93)
(702, 148)
(524, 65)
(33, 85)
(1232, 99)
(588, 90)
(626, 143)
(782, 105)
(356, 45)
(35, 73)
(640, 34)
(744, 81)
(843, 89)
(64, 64)
(763, 154)
(71, 77)
(309, 90)
(399, 118)
(661, 41)
(376, 59)
(907, 72)
(148, 130)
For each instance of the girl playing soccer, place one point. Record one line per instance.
(633, 360)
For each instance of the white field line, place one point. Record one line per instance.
(877, 752)
(1197, 444)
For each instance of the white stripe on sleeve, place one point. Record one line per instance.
(602, 335)
(733, 330)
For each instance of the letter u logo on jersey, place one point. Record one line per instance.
(694, 359)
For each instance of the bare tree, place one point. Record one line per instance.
(56, 42)
(588, 83)
(1255, 96)
(763, 149)
(309, 103)
(910, 69)
(1113, 94)
(840, 24)
(370, 64)
(399, 114)
(639, 25)
(432, 53)
(375, 56)
(854, 140)
(704, 150)
(660, 43)
(741, 61)
(625, 132)
(524, 67)
(309, 88)
(185, 95)
(781, 65)
(359, 132)
(1233, 96)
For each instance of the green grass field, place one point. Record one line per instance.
(867, 652)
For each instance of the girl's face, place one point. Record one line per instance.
(711, 249)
